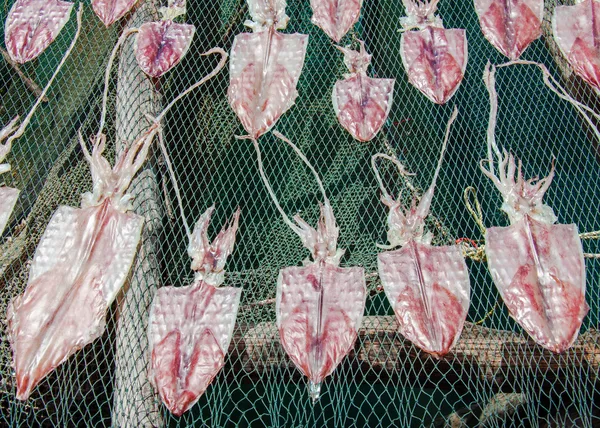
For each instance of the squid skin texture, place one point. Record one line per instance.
(8, 199)
(435, 60)
(190, 329)
(575, 30)
(263, 87)
(78, 268)
(547, 300)
(445, 290)
(319, 311)
(161, 45)
(362, 104)
(110, 11)
(32, 25)
(335, 17)
(510, 25)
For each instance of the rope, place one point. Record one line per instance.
(591, 235)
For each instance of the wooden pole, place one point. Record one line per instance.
(381, 352)
(135, 401)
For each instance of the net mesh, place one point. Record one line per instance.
(495, 376)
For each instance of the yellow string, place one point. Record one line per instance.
(489, 314)
(477, 216)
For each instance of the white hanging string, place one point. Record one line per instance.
(19, 132)
(401, 167)
(128, 32)
(265, 180)
(562, 93)
(163, 148)
(261, 171)
(306, 162)
(161, 142)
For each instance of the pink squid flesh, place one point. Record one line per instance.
(577, 32)
(319, 311)
(190, 327)
(429, 289)
(78, 268)
(161, 45)
(8, 199)
(510, 25)
(540, 274)
(335, 17)
(190, 330)
(435, 60)
(361, 103)
(32, 25)
(264, 71)
(110, 11)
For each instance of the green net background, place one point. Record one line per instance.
(496, 376)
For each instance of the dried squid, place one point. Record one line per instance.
(79, 266)
(319, 306)
(190, 327)
(510, 25)
(32, 25)
(82, 260)
(160, 45)
(576, 30)
(265, 67)
(434, 58)
(335, 17)
(536, 265)
(110, 11)
(361, 103)
(427, 286)
(8, 195)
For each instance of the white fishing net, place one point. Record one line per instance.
(495, 376)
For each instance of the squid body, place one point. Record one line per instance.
(361, 103)
(265, 66)
(190, 327)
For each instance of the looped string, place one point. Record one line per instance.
(489, 77)
(261, 171)
(163, 149)
(209, 76)
(286, 219)
(562, 93)
(305, 160)
(469, 247)
(162, 145)
(401, 169)
(19, 132)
